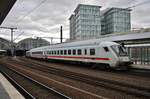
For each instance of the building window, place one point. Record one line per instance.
(79, 52)
(74, 52)
(92, 51)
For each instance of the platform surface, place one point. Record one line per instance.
(141, 66)
(7, 90)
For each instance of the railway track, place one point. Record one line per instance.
(114, 85)
(73, 92)
(23, 91)
(46, 91)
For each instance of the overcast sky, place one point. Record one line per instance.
(46, 20)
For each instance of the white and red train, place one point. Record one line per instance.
(109, 54)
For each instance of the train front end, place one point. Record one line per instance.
(122, 61)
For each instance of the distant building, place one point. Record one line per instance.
(30, 43)
(4, 44)
(115, 20)
(85, 23)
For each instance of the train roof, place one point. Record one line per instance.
(93, 42)
(111, 38)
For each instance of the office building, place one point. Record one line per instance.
(115, 20)
(85, 23)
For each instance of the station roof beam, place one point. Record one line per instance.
(5, 7)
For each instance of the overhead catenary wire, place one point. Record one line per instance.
(18, 36)
(32, 10)
(136, 5)
(139, 4)
(27, 14)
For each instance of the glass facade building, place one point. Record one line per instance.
(85, 23)
(115, 20)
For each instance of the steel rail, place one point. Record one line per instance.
(35, 81)
(123, 87)
(23, 91)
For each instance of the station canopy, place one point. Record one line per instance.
(5, 6)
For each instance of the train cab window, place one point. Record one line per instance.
(61, 52)
(65, 52)
(74, 52)
(39, 52)
(85, 51)
(92, 51)
(69, 52)
(79, 52)
(106, 49)
(57, 52)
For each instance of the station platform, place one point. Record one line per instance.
(140, 66)
(7, 90)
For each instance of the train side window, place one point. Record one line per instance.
(69, 52)
(79, 52)
(61, 52)
(65, 52)
(85, 51)
(52, 52)
(106, 49)
(74, 52)
(57, 52)
(92, 51)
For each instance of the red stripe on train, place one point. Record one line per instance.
(77, 57)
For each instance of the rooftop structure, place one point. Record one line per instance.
(5, 6)
(127, 38)
(4, 44)
(30, 43)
